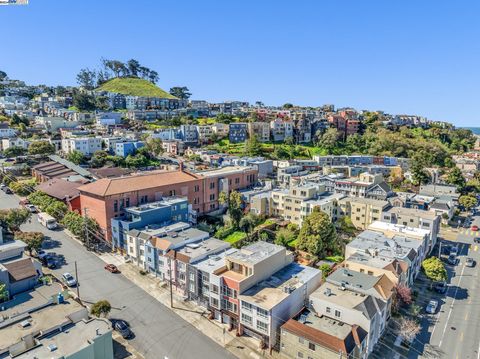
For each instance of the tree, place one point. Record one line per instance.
(468, 201)
(14, 151)
(223, 198)
(253, 147)
(180, 92)
(133, 67)
(86, 78)
(136, 161)
(326, 270)
(284, 236)
(329, 139)
(76, 157)
(4, 295)
(154, 146)
(402, 296)
(14, 218)
(247, 224)
(57, 209)
(287, 105)
(41, 148)
(408, 329)
(84, 101)
(101, 308)
(3, 75)
(235, 208)
(419, 174)
(434, 269)
(99, 159)
(33, 240)
(317, 235)
(456, 178)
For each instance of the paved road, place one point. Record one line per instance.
(158, 331)
(454, 332)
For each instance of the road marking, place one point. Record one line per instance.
(466, 316)
(451, 307)
(461, 336)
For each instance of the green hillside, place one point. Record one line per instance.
(134, 87)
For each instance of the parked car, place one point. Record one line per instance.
(441, 287)
(470, 262)
(454, 251)
(112, 268)
(452, 259)
(31, 208)
(476, 240)
(7, 190)
(122, 327)
(432, 307)
(69, 280)
(446, 248)
(474, 228)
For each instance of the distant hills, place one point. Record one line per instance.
(134, 87)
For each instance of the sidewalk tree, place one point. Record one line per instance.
(33, 240)
(154, 146)
(434, 269)
(3, 292)
(41, 148)
(317, 235)
(468, 201)
(101, 308)
(408, 328)
(402, 296)
(14, 218)
(57, 209)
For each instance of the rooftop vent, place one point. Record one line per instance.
(52, 347)
(328, 292)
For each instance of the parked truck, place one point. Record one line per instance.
(47, 220)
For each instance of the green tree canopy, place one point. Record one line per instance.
(181, 92)
(235, 210)
(101, 308)
(33, 240)
(14, 151)
(154, 146)
(434, 269)
(76, 157)
(14, 218)
(253, 147)
(456, 178)
(468, 201)
(284, 236)
(41, 148)
(317, 235)
(4, 295)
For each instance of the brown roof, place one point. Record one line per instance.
(109, 172)
(106, 187)
(60, 189)
(321, 338)
(21, 269)
(177, 255)
(160, 243)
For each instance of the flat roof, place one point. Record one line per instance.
(334, 294)
(396, 247)
(224, 171)
(200, 249)
(72, 340)
(214, 262)
(270, 292)
(255, 252)
(412, 212)
(400, 229)
(167, 201)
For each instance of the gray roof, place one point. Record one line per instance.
(353, 279)
(368, 307)
(256, 252)
(81, 171)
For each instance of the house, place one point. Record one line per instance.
(53, 124)
(273, 301)
(14, 142)
(58, 167)
(188, 133)
(415, 218)
(205, 133)
(125, 148)
(173, 147)
(281, 129)
(108, 118)
(309, 335)
(163, 212)
(237, 132)
(259, 129)
(220, 129)
(85, 145)
(342, 304)
(7, 132)
(362, 211)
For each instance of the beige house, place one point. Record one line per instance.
(362, 211)
(259, 129)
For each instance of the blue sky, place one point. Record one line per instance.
(409, 56)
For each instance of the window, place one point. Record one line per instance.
(337, 313)
(299, 355)
(115, 206)
(362, 270)
(262, 313)
(262, 326)
(370, 272)
(172, 193)
(300, 340)
(196, 188)
(237, 180)
(246, 306)
(212, 185)
(212, 197)
(214, 288)
(328, 310)
(214, 302)
(311, 346)
(127, 202)
(246, 319)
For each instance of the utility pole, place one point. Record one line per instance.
(439, 249)
(78, 283)
(87, 239)
(171, 287)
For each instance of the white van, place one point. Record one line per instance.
(47, 220)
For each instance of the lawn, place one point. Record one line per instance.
(134, 87)
(235, 237)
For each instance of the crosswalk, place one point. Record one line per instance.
(469, 232)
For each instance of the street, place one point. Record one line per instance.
(158, 331)
(454, 331)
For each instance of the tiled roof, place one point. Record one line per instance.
(111, 186)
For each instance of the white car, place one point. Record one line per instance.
(31, 208)
(432, 307)
(69, 280)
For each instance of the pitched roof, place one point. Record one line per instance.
(111, 186)
(21, 269)
(60, 189)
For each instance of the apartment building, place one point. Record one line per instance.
(259, 129)
(362, 211)
(270, 303)
(102, 199)
(309, 335)
(243, 270)
(86, 145)
(237, 132)
(366, 185)
(415, 218)
(161, 213)
(341, 304)
(205, 133)
(220, 129)
(281, 129)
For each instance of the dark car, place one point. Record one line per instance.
(441, 287)
(122, 327)
(452, 259)
(446, 248)
(7, 190)
(476, 240)
(48, 260)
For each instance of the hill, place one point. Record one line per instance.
(134, 87)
